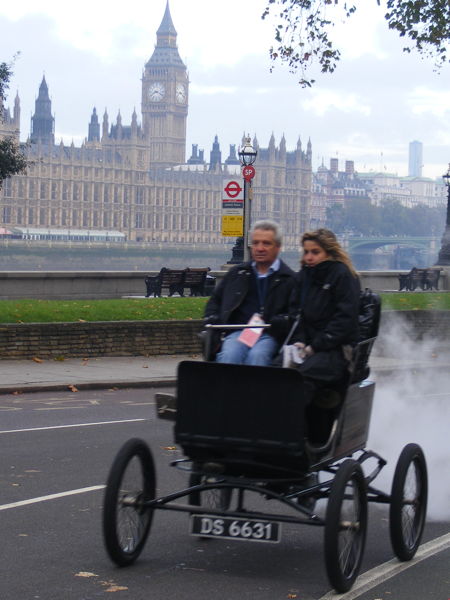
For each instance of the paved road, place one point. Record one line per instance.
(58, 442)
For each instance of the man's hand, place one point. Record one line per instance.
(211, 320)
(279, 327)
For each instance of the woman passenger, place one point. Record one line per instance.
(327, 299)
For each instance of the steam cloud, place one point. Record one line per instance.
(413, 405)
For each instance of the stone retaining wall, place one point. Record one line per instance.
(72, 285)
(135, 338)
(121, 338)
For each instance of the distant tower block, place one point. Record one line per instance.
(415, 159)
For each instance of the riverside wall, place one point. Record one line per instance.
(73, 285)
(399, 331)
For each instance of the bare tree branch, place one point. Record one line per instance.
(303, 30)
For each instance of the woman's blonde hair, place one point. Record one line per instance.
(328, 242)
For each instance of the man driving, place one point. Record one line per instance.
(255, 292)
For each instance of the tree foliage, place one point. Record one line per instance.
(391, 218)
(12, 158)
(5, 76)
(303, 30)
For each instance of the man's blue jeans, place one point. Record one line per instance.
(261, 354)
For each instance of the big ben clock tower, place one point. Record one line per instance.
(165, 87)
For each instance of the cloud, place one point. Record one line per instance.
(212, 90)
(423, 100)
(321, 102)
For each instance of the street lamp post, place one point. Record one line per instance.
(444, 252)
(247, 156)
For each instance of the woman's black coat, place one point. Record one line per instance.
(327, 296)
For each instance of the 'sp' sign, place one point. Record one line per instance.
(248, 172)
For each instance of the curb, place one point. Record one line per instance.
(162, 382)
(94, 385)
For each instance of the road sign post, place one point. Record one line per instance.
(232, 208)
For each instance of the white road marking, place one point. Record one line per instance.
(379, 574)
(74, 425)
(93, 488)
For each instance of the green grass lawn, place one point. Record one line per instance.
(151, 309)
(139, 309)
(416, 301)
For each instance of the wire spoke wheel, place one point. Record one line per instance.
(345, 526)
(126, 518)
(408, 502)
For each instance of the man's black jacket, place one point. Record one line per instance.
(233, 288)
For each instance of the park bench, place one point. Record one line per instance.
(196, 280)
(425, 279)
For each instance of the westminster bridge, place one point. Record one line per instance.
(391, 252)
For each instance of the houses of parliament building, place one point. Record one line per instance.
(135, 178)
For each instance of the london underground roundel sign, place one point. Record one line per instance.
(233, 189)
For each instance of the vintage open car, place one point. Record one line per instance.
(246, 432)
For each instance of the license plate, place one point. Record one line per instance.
(235, 529)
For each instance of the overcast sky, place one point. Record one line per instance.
(93, 53)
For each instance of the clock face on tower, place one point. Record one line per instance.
(180, 93)
(156, 92)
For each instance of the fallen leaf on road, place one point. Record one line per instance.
(72, 388)
(113, 587)
(145, 366)
(85, 574)
(169, 448)
(36, 359)
(116, 588)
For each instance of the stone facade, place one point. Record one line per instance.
(135, 178)
(333, 186)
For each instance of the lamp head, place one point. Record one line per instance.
(247, 154)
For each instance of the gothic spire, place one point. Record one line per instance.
(42, 122)
(166, 51)
(94, 128)
(167, 29)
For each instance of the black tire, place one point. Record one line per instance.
(408, 506)
(126, 521)
(345, 526)
(215, 499)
